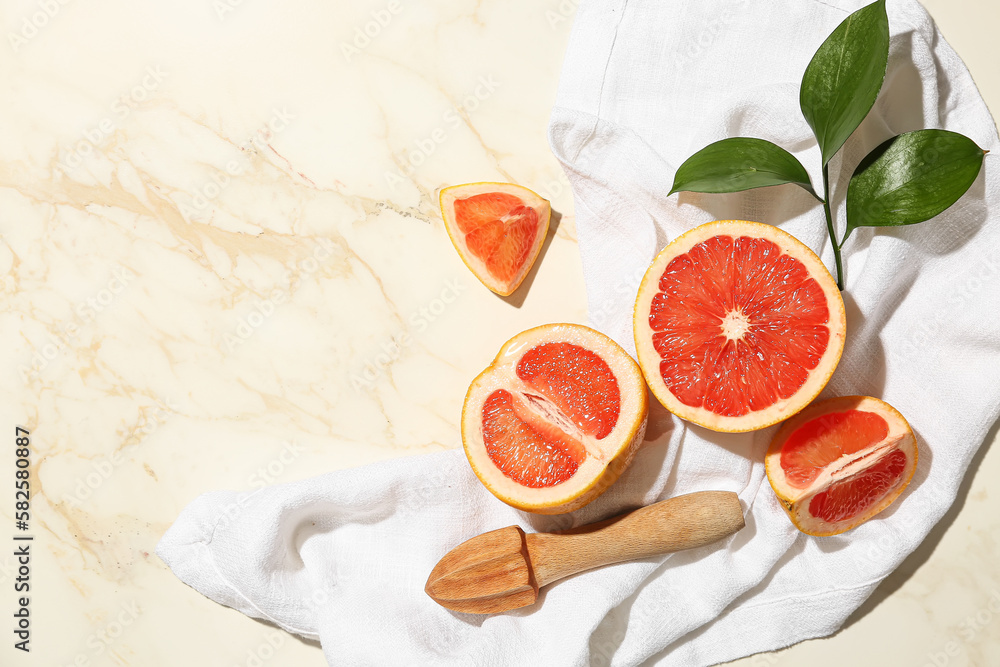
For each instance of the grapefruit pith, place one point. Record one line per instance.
(555, 419)
(497, 228)
(738, 325)
(840, 462)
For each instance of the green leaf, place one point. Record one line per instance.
(737, 164)
(843, 79)
(911, 178)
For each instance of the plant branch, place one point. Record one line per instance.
(830, 229)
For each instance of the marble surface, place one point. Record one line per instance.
(218, 222)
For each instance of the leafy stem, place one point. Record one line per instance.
(830, 228)
(909, 178)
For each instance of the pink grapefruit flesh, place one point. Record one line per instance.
(555, 419)
(738, 325)
(840, 462)
(497, 228)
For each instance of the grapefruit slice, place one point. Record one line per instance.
(840, 462)
(497, 228)
(738, 326)
(555, 419)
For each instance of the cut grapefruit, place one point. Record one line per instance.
(497, 228)
(738, 326)
(555, 419)
(840, 462)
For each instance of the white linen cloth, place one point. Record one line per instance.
(344, 557)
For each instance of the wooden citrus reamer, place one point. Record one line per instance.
(503, 569)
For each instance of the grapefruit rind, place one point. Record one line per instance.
(795, 501)
(446, 200)
(649, 358)
(594, 474)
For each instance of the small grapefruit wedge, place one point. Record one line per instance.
(840, 462)
(497, 228)
(555, 419)
(738, 326)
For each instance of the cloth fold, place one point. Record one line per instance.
(344, 557)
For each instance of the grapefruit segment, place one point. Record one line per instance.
(497, 228)
(475, 210)
(840, 462)
(521, 452)
(577, 381)
(826, 439)
(555, 419)
(854, 497)
(737, 325)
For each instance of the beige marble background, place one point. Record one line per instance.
(217, 222)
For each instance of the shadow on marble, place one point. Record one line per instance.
(920, 556)
(520, 294)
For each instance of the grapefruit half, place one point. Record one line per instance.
(737, 325)
(555, 419)
(840, 462)
(497, 228)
